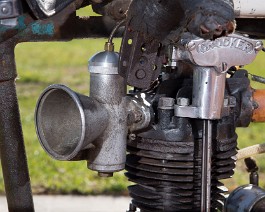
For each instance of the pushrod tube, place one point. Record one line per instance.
(206, 166)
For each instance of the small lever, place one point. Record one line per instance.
(253, 169)
(257, 78)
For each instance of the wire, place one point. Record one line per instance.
(115, 29)
(257, 78)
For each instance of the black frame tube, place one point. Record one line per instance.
(12, 150)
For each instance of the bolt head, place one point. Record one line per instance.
(181, 101)
(166, 103)
(5, 9)
(259, 45)
(132, 137)
(191, 45)
(226, 102)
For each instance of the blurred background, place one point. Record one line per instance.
(42, 64)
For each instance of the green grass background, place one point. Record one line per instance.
(42, 64)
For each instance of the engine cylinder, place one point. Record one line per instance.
(167, 172)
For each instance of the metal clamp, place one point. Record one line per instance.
(211, 60)
(208, 95)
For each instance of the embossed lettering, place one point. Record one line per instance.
(226, 42)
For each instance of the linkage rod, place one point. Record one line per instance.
(206, 166)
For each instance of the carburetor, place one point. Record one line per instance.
(71, 126)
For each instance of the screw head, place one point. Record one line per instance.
(132, 137)
(259, 45)
(140, 74)
(166, 103)
(5, 9)
(181, 101)
(226, 102)
(191, 45)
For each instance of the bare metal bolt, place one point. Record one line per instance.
(138, 116)
(232, 101)
(181, 101)
(226, 102)
(105, 174)
(134, 116)
(132, 137)
(224, 67)
(259, 45)
(166, 103)
(5, 9)
(191, 45)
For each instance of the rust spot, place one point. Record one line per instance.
(259, 100)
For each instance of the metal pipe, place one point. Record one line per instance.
(12, 150)
(115, 30)
(206, 166)
(249, 8)
(251, 151)
(208, 92)
(207, 97)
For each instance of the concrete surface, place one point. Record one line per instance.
(67, 203)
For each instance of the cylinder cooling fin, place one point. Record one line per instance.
(167, 175)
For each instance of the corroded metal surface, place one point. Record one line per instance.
(259, 112)
(12, 151)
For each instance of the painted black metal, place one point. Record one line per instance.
(140, 60)
(61, 27)
(116, 9)
(248, 198)
(12, 151)
(253, 169)
(151, 24)
(162, 18)
(167, 173)
(165, 161)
